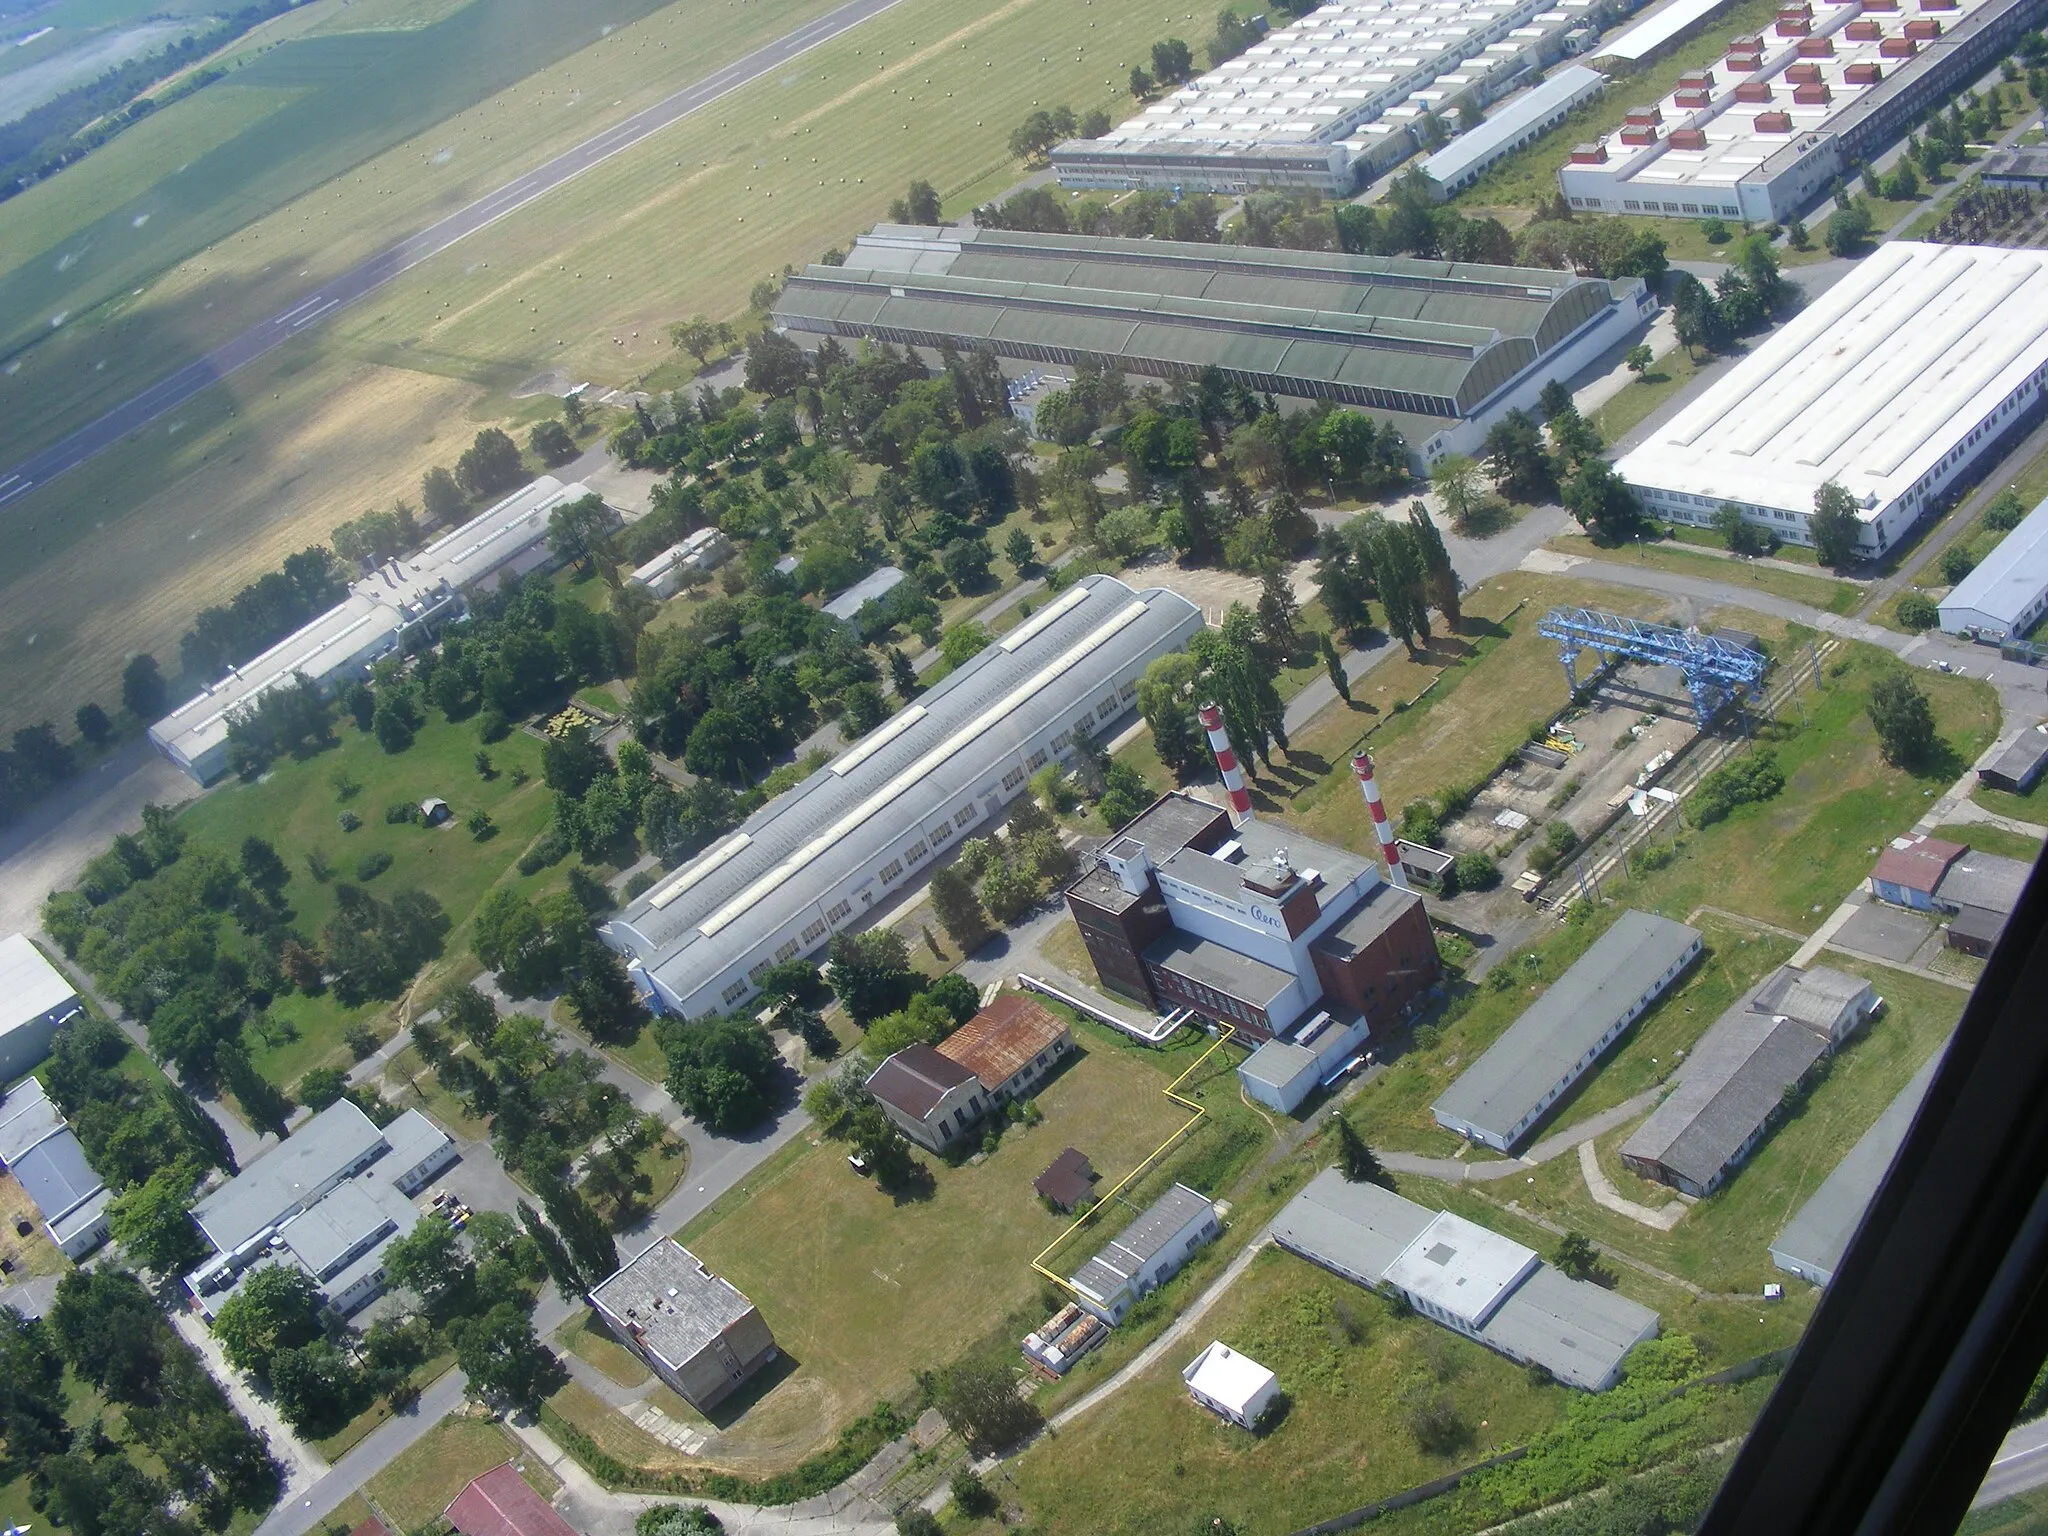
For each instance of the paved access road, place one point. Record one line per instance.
(170, 393)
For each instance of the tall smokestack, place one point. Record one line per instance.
(1362, 766)
(1226, 760)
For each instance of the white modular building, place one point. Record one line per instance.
(1517, 124)
(46, 1158)
(1230, 1385)
(704, 550)
(1342, 94)
(1147, 1253)
(385, 612)
(864, 828)
(2007, 594)
(1763, 133)
(35, 999)
(1893, 384)
(1293, 1064)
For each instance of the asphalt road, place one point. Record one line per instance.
(170, 393)
(2021, 1463)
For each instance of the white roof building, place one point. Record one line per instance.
(1891, 383)
(1233, 1386)
(704, 550)
(864, 828)
(381, 614)
(35, 998)
(2007, 594)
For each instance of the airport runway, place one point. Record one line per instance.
(172, 392)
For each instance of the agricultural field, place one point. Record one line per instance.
(578, 287)
(836, 1266)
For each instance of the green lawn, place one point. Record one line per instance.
(296, 807)
(424, 1375)
(2032, 806)
(1989, 839)
(421, 1483)
(2024, 1514)
(1821, 592)
(1676, 370)
(585, 1336)
(1150, 1460)
(1722, 1242)
(1706, 538)
(835, 1264)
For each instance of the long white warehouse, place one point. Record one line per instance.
(861, 830)
(1893, 383)
(381, 614)
(2007, 595)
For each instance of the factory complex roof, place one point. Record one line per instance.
(1871, 385)
(1576, 1330)
(370, 620)
(670, 1302)
(926, 764)
(1218, 966)
(1817, 1236)
(2007, 582)
(1656, 29)
(502, 1503)
(30, 986)
(1431, 337)
(1549, 1042)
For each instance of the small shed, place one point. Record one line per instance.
(1426, 866)
(1231, 1386)
(2018, 768)
(1069, 1181)
(1907, 872)
(1975, 930)
(434, 811)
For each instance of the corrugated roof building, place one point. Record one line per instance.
(1147, 1253)
(47, 1159)
(1466, 1278)
(1519, 123)
(2019, 767)
(1499, 1098)
(2007, 593)
(1438, 348)
(828, 854)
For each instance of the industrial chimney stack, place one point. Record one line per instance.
(1362, 766)
(1226, 760)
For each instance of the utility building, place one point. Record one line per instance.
(1732, 1087)
(1147, 1253)
(1249, 926)
(1466, 1278)
(1438, 349)
(695, 1330)
(2007, 594)
(2019, 767)
(1500, 1098)
(1921, 363)
(827, 855)
(35, 1001)
(392, 609)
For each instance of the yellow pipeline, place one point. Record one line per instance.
(1172, 1092)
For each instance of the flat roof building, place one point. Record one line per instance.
(1466, 1278)
(2007, 593)
(1814, 1240)
(1892, 384)
(385, 612)
(871, 588)
(47, 1160)
(1251, 926)
(330, 1198)
(704, 550)
(1285, 1070)
(1732, 1087)
(696, 1330)
(1990, 882)
(1231, 1386)
(35, 999)
(1334, 98)
(1440, 349)
(824, 856)
(1661, 26)
(1500, 1098)
(2018, 768)
(1764, 133)
(1147, 1253)
(1519, 123)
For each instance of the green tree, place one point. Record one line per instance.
(579, 531)
(1638, 358)
(275, 1308)
(152, 1223)
(725, 1072)
(1440, 583)
(550, 442)
(431, 1262)
(570, 1282)
(870, 972)
(590, 1244)
(1847, 230)
(506, 1364)
(490, 465)
(1903, 719)
(1577, 1257)
(322, 1087)
(441, 498)
(93, 725)
(143, 693)
(959, 909)
(979, 1399)
(1917, 611)
(1460, 485)
(1956, 563)
(1333, 664)
(1476, 872)
(1834, 525)
(964, 641)
(510, 938)
(1602, 503)
(1124, 793)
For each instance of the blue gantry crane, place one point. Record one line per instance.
(1715, 671)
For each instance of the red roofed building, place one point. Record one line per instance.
(1009, 1045)
(502, 1503)
(1908, 871)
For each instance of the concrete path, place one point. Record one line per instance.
(1457, 1171)
(1663, 1218)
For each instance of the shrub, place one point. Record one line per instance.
(1918, 611)
(1956, 563)
(372, 864)
(1476, 872)
(401, 812)
(1754, 777)
(2005, 512)
(348, 821)
(551, 847)
(321, 1087)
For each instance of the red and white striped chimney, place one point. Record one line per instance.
(1226, 760)
(1362, 766)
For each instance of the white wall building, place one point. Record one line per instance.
(1231, 1386)
(1517, 124)
(2007, 594)
(1288, 1068)
(866, 827)
(1893, 383)
(704, 550)
(383, 613)
(1147, 1253)
(35, 998)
